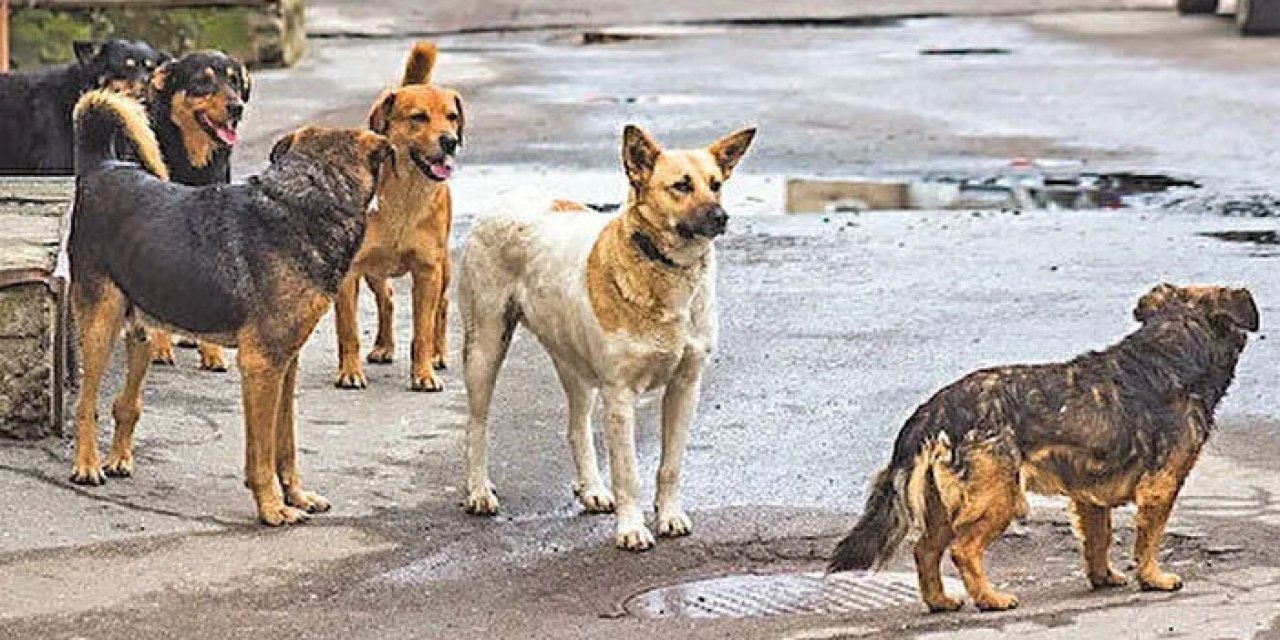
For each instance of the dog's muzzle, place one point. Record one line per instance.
(708, 223)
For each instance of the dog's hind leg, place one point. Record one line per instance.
(384, 345)
(488, 335)
(98, 307)
(262, 384)
(161, 343)
(589, 487)
(992, 498)
(347, 325)
(930, 547)
(620, 440)
(1093, 526)
(127, 407)
(287, 451)
(212, 357)
(679, 402)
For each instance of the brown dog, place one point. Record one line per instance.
(410, 233)
(1110, 427)
(250, 265)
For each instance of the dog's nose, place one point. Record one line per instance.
(448, 144)
(235, 109)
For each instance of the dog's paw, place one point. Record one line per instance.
(945, 604)
(162, 352)
(429, 383)
(213, 361)
(351, 380)
(595, 499)
(483, 502)
(996, 601)
(381, 355)
(306, 500)
(1160, 581)
(1112, 579)
(633, 537)
(674, 525)
(281, 515)
(88, 474)
(118, 466)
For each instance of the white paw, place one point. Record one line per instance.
(674, 525)
(597, 499)
(633, 537)
(482, 502)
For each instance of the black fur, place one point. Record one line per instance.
(35, 108)
(186, 74)
(1116, 409)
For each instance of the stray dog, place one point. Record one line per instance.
(251, 265)
(35, 108)
(410, 234)
(623, 303)
(1110, 427)
(196, 103)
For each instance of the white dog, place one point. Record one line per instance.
(624, 304)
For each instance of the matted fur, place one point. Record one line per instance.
(1109, 427)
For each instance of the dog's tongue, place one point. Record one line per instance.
(227, 134)
(441, 170)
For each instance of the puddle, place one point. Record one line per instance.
(1256, 205)
(753, 596)
(966, 51)
(1263, 241)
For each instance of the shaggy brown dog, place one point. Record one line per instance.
(1105, 429)
(250, 265)
(410, 234)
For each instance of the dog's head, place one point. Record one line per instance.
(357, 155)
(423, 121)
(677, 193)
(123, 66)
(205, 93)
(1228, 307)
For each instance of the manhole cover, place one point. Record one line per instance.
(781, 594)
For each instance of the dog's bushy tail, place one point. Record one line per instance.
(891, 509)
(422, 60)
(101, 119)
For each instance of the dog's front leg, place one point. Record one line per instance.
(620, 440)
(428, 294)
(679, 403)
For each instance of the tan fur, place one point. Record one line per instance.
(136, 123)
(410, 233)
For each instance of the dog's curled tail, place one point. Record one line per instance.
(102, 117)
(897, 500)
(422, 60)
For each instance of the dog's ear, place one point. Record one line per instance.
(1153, 301)
(1237, 307)
(85, 51)
(729, 150)
(639, 155)
(160, 77)
(380, 116)
(245, 83)
(281, 147)
(422, 61)
(462, 116)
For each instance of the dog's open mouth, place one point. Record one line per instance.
(226, 131)
(440, 168)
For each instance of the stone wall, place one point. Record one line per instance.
(261, 33)
(33, 349)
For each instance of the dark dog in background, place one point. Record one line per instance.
(35, 108)
(251, 265)
(196, 103)
(1110, 427)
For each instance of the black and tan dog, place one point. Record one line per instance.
(251, 265)
(1110, 427)
(35, 108)
(196, 103)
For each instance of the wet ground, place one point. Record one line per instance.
(834, 327)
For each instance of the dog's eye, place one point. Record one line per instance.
(684, 187)
(715, 185)
(420, 118)
(453, 117)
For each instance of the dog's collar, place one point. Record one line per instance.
(645, 245)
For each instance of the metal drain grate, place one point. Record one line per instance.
(754, 596)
